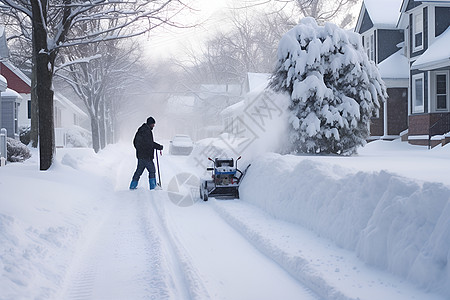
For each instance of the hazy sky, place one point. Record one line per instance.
(207, 13)
(211, 15)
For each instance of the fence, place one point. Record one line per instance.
(3, 149)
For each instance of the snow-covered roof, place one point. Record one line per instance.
(3, 83)
(17, 71)
(395, 66)
(69, 104)
(232, 108)
(437, 55)
(256, 80)
(11, 93)
(384, 12)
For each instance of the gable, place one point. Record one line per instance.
(384, 12)
(16, 80)
(366, 23)
(412, 4)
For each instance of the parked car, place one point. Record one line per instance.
(181, 145)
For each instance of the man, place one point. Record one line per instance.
(145, 148)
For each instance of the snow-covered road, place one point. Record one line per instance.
(77, 232)
(149, 248)
(126, 257)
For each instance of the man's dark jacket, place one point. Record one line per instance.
(144, 144)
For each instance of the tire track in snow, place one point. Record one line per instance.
(219, 263)
(211, 272)
(192, 279)
(125, 258)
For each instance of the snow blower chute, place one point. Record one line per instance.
(226, 178)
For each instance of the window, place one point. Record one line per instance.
(369, 45)
(441, 91)
(58, 112)
(418, 93)
(418, 31)
(29, 109)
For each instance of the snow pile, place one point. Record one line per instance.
(42, 216)
(79, 216)
(78, 137)
(391, 222)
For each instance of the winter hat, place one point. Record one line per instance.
(150, 121)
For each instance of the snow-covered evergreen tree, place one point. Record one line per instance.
(333, 87)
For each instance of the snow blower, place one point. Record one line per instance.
(226, 178)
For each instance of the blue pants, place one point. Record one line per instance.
(144, 164)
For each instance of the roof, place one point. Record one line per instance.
(11, 93)
(69, 104)
(239, 106)
(3, 83)
(395, 66)
(437, 55)
(256, 80)
(384, 12)
(18, 72)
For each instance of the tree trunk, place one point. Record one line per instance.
(110, 124)
(34, 133)
(44, 62)
(102, 125)
(95, 134)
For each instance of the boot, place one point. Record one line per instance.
(133, 185)
(152, 182)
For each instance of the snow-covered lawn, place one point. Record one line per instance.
(371, 226)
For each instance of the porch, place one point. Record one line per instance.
(429, 129)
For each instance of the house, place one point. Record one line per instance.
(182, 109)
(427, 41)
(234, 116)
(383, 42)
(211, 99)
(19, 95)
(17, 115)
(10, 101)
(415, 34)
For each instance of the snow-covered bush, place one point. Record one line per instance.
(78, 137)
(334, 88)
(17, 151)
(25, 134)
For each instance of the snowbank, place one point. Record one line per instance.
(43, 217)
(392, 222)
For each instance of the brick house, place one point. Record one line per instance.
(427, 35)
(382, 41)
(415, 34)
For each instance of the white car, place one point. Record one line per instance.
(181, 145)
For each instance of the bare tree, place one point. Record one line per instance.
(52, 22)
(99, 74)
(326, 11)
(337, 11)
(250, 45)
